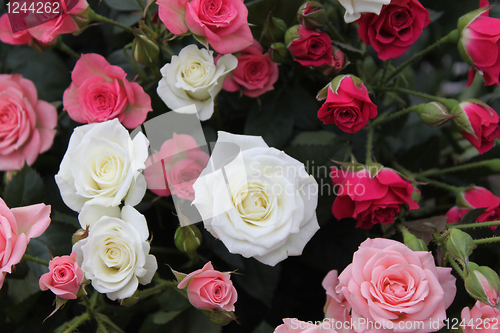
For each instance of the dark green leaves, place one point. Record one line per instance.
(25, 188)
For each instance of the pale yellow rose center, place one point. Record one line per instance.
(253, 202)
(194, 73)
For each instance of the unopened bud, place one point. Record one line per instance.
(412, 241)
(79, 235)
(312, 15)
(434, 114)
(278, 53)
(292, 34)
(188, 238)
(274, 29)
(144, 49)
(460, 246)
(339, 61)
(220, 317)
(483, 284)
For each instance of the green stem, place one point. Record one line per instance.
(487, 240)
(475, 225)
(336, 34)
(452, 37)
(456, 168)
(135, 65)
(395, 115)
(369, 145)
(75, 322)
(384, 73)
(163, 284)
(96, 17)
(27, 257)
(444, 101)
(444, 186)
(456, 267)
(61, 46)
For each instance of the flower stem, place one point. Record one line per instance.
(395, 115)
(452, 37)
(475, 225)
(444, 186)
(369, 145)
(75, 322)
(336, 34)
(455, 168)
(61, 46)
(487, 240)
(27, 257)
(456, 267)
(96, 17)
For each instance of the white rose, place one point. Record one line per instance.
(102, 166)
(115, 254)
(266, 210)
(354, 8)
(193, 78)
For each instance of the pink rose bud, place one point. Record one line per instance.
(274, 28)
(478, 123)
(64, 278)
(188, 238)
(339, 62)
(309, 47)
(483, 284)
(347, 104)
(482, 318)
(460, 245)
(144, 49)
(434, 114)
(210, 289)
(478, 44)
(312, 15)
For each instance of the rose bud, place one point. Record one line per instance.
(292, 34)
(478, 44)
(309, 47)
(460, 245)
(188, 238)
(274, 28)
(434, 114)
(64, 278)
(278, 53)
(144, 49)
(483, 284)
(412, 241)
(79, 235)
(312, 15)
(478, 123)
(339, 62)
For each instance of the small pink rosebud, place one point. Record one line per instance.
(312, 15)
(483, 284)
(64, 278)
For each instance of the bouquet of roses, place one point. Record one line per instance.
(338, 147)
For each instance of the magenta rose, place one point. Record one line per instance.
(175, 168)
(478, 123)
(395, 29)
(255, 74)
(64, 278)
(17, 227)
(370, 197)
(337, 308)
(101, 92)
(395, 287)
(210, 289)
(347, 104)
(476, 197)
(311, 48)
(223, 23)
(27, 125)
(482, 318)
(297, 326)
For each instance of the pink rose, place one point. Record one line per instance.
(255, 74)
(223, 23)
(347, 104)
(27, 125)
(478, 123)
(17, 227)
(210, 289)
(476, 197)
(14, 38)
(311, 48)
(101, 92)
(482, 318)
(398, 26)
(389, 284)
(64, 278)
(296, 326)
(175, 168)
(337, 309)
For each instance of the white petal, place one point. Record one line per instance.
(90, 214)
(137, 220)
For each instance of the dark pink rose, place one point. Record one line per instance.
(370, 198)
(311, 48)
(223, 23)
(389, 284)
(17, 227)
(64, 278)
(255, 74)
(27, 125)
(210, 289)
(398, 26)
(101, 92)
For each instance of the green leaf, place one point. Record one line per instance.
(171, 301)
(123, 5)
(65, 218)
(471, 216)
(25, 188)
(424, 229)
(20, 290)
(314, 138)
(162, 317)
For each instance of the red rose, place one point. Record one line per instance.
(476, 197)
(397, 27)
(311, 47)
(370, 199)
(478, 123)
(347, 105)
(255, 74)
